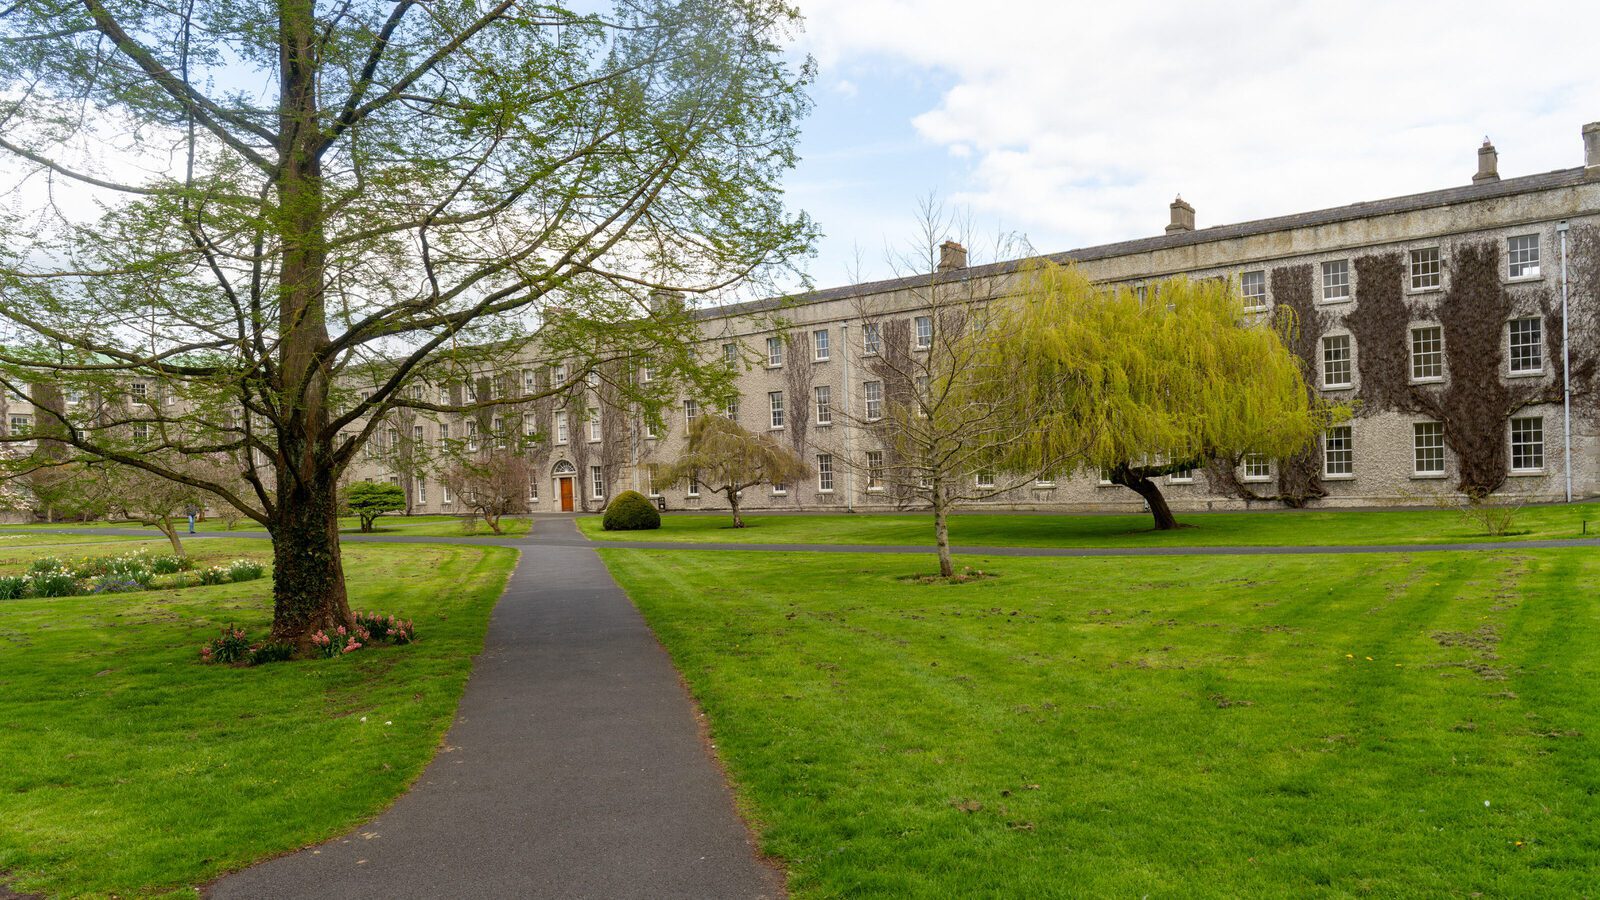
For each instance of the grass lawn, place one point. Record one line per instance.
(1296, 726)
(1288, 527)
(426, 526)
(131, 769)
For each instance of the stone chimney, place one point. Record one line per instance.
(952, 256)
(1591, 150)
(665, 301)
(1182, 217)
(1488, 164)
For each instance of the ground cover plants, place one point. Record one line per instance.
(132, 769)
(1305, 725)
(141, 570)
(1321, 527)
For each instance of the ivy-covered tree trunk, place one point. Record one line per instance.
(733, 501)
(308, 590)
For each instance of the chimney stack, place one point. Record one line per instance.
(1591, 150)
(952, 256)
(1488, 164)
(1182, 216)
(664, 301)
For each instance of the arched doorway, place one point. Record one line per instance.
(566, 477)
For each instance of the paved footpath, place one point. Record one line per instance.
(575, 768)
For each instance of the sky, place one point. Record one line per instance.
(1077, 124)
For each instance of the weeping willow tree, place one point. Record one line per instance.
(1167, 379)
(262, 231)
(727, 458)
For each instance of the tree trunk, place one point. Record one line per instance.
(171, 531)
(1147, 488)
(733, 501)
(494, 522)
(941, 537)
(308, 591)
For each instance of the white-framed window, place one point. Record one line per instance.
(774, 352)
(1527, 345)
(422, 492)
(647, 372)
(20, 425)
(1527, 444)
(819, 343)
(444, 495)
(1427, 448)
(533, 490)
(444, 433)
(530, 382)
(1104, 479)
(650, 429)
(1427, 353)
(650, 489)
(984, 479)
(1427, 269)
(871, 338)
(1253, 287)
(1338, 452)
(416, 436)
(498, 425)
(923, 395)
(691, 411)
(1142, 294)
(775, 404)
(1257, 467)
(1335, 280)
(139, 390)
(924, 331)
(597, 480)
(873, 391)
(694, 484)
(733, 410)
(1522, 256)
(558, 373)
(824, 404)
(780, 488)
(1336, 369)
(472, 436)
(595, 431)
(825, 473)
(730, 353)
(444, 396)
(874, 470)
(561, 426)
(141, 431)
(1045, 480)
(1181, 476)
(593, 378)
(470, 391)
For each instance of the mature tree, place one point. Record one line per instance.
(292, 220)
(1168, 377)
(726, 458)
(491, 485)
(370, 499)
(935, 398)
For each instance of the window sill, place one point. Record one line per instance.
(824, 490)
(827, 424)
(1256, 480)
(1044, 487)
(1526, 473)
(1327, 477)
(1538, 374)
(1438, 380)
(874, 490)
(823, 359)
(1428, 476)
(780, 493)
(1256, 309)
(1180, 481)
(1336, 301)
(1338, 387)
(1414, 291)
(776, 428)
(770, 366)
(1523, 279)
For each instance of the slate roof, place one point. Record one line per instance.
(1507, 187)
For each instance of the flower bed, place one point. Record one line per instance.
(51, 576)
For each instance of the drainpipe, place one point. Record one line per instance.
(1566, 366)
(849, 461)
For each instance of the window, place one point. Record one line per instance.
(1336, 281)
(422, 491)
(558, 373)
(924, 396)
(1425, 269)
(533, 490)
(1338, 456)
(694, 483)
(824, 405)
(1427, 448)
(874, 396)
(650, 428)
(1427, 353)
(530, 382)
(1105, 478)
(1253, 286)
(444, 396)
(819, 342)
(416, 435)
(774, 351)
(561, 426)
(597, 478)
(499, 434)
(733, 410)
(650, 488)
(444, 434)
(1527, 351)
(1045, 480)
(780, 488)
(730, 353)
(139, 389)
(471, 391)
(141, 431)
(1181, 476)
(984, 480)
(871, 338)
(924, 327)
(1257, 467)
(444, 494)
(595, 432)
(1522, 256)
(1336, 371)
(1527, 444)
(472, 437)
(647, 373)
(593, 378)
(825, 473)
(775, 403)
(874, 470)
(691, 410)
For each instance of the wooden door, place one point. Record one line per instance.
(566, 494)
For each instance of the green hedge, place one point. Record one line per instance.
(631, 511)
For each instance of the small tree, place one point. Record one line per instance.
(371, 499)
(727, 459)
(491, 485)
(1169, 377)
(151, 500)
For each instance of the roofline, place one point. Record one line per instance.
(1559, 178)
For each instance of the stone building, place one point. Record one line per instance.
(1439, 304)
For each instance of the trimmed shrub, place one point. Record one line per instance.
(13, 587)
(631, 511)
(271, 653)
(54, 584)
(245, 570)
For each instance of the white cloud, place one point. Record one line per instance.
(1080, 122)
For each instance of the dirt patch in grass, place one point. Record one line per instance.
(967, 575)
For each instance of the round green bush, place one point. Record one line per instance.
(631, 511)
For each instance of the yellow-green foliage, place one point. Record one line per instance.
(1182, 374)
